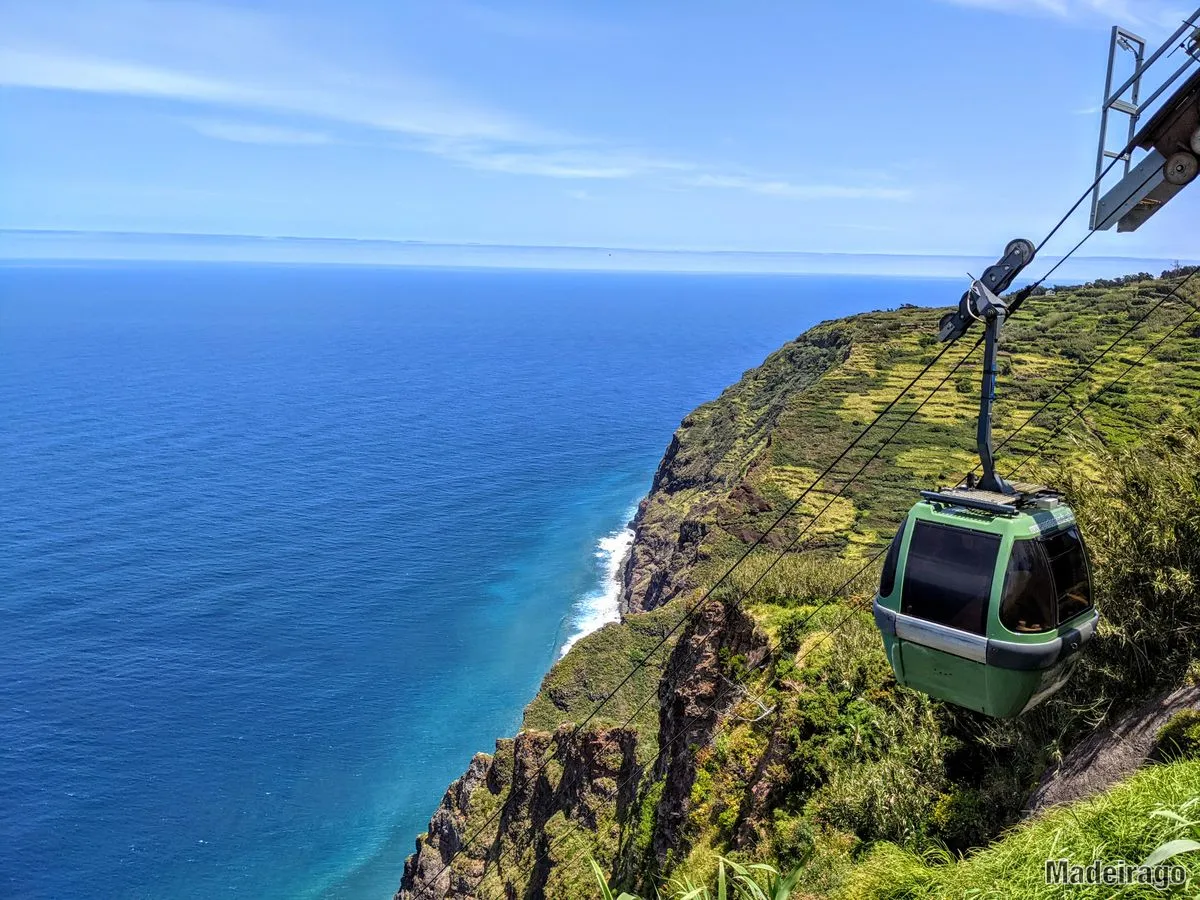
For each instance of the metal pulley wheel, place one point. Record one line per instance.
(1196, 141)
(1026, 248)
(1181, 167)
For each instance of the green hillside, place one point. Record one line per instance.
(770, 728)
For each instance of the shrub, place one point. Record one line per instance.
(791, 631)
(1179, 738)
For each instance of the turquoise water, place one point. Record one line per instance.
(284, 546)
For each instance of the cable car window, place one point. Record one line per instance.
(948, 576)
(1068, 563)
(887, 581)
(1029, 600)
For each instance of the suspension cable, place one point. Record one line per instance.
(1096, 396)
(855, 607)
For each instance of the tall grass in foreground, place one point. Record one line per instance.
(1129, 823)
(734, 881)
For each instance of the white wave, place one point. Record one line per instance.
(603, 604)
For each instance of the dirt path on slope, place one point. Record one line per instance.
(1110, 754)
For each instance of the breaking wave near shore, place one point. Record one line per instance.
(601, 605)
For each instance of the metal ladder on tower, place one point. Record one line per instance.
(1171, 136)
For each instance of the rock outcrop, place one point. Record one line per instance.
(494, 820)
(503, 825)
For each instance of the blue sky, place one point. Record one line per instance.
(911, 126)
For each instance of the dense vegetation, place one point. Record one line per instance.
(1152, 816)
(820, 763)
(851, 760)
(866, 762)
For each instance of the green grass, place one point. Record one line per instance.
(1120, 825)
(597, 664)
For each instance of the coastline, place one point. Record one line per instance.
(602, 604)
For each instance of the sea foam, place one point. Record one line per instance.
(602, 605)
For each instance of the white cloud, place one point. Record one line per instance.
(250, 133)
(237, 62)
(815, 191)
(396, 107)
(601, 164)
(584, 161)
(54, 71)
(208, 54)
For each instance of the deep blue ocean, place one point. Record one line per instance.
(281, 547)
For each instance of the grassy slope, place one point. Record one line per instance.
(1118, 825)
(845, 759)
(1043, 343)
(596, 665)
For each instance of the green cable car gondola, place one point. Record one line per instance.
(985, 598)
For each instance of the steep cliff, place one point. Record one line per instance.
(700, 483)
(807, 753)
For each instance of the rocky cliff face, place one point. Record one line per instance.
(520, 796)
(700, 485)
(519, 822)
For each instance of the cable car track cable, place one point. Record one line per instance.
(691, 612)
(855, 607)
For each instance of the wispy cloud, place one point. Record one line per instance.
(233, 64)
(404, 108)
(583, 161)
(252, 133)
(1125, 12)
(201, 53)
(808, 191)
(605, 164)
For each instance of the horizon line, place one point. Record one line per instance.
(419, 242)
(55, 245)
